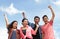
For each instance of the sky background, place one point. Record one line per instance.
(14, 9)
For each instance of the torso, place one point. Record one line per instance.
(14, 34)
(37, 36)
(48, 31)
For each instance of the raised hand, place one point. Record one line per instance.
(53, 14)
(50, 6)
(23, 15)
(37, 25)
(6, 20)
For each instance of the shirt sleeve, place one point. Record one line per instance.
(51, 22)
(31, 24)
(21, 34)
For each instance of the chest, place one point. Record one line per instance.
(47, 28)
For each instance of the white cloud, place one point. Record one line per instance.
(57, 2)
(3, 33)
(37, 1)
(56, 35)
(11, 10)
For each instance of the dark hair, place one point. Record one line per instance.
(44, 16)
(24, 19)
(36, 17)
(11, 25)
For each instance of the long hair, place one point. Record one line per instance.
(10, 26)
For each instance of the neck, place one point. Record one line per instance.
(46, 22)
(36, 23)
(14, 28)
(24, 25)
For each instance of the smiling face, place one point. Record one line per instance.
(15, 25)
(36, 19)
(45, 19)
(24, 22)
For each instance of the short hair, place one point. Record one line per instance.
(36, 17)
(44, 16)
(24, 19)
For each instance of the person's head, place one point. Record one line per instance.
(24, 22)
(45, 18)
(13, 24)
(36, 19)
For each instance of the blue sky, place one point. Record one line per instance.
(14, 9)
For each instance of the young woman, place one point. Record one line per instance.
(13, 32)
(26, 31)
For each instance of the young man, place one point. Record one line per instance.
(47, 28)
(33, 25)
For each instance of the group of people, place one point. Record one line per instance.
(30, 30)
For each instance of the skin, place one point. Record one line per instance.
(15, 25)
(36, 20)
(53, 15)
(7, 22)
(25, 23)
(46, 18)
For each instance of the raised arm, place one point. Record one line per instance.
(23, 14)
(53, 14)
(29, 23)
(6, 20)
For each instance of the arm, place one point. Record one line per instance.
(37, 26)
(29, 23)
(42, 36)
(35, 31)
(42, 32)
(23, 14)
(6, 20)
(53, 14)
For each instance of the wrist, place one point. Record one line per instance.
(37, 25)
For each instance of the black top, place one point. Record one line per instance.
(37, 36)
(24, 32)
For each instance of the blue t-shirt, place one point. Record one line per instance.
(13, 35)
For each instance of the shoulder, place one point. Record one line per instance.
(51, 22)
(29, 27)
(21, 27)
